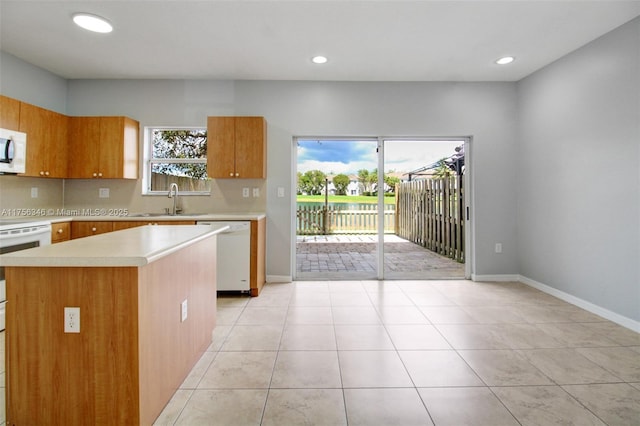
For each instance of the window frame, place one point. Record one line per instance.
(149, 161)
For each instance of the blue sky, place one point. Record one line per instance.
(335, 156)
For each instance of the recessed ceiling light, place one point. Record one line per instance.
(92, 23)
(319, 59)
(505, 60)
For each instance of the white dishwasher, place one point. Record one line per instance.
(234, 254)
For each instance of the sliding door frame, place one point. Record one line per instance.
(468, 195)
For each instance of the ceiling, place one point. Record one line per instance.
(376, 40)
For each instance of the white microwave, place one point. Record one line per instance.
(13, 151)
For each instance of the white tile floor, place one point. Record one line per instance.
(410, 353)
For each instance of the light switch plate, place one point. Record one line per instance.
(280, 191)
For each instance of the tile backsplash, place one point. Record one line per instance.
(226, 195)
(16, 194)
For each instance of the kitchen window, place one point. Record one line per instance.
(176, 155)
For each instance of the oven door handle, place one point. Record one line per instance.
(25, 233)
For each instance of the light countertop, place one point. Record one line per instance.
(137, 246)
(153, 217)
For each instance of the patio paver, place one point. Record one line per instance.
(336, 256)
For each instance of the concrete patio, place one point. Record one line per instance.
(354, 256)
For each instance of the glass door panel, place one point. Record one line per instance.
(425, 180)
(336, 210)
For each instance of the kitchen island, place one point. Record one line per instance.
(147, 310)
(71, 227)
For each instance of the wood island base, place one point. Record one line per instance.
(133, 350)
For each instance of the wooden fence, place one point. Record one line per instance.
(318, 220)
(161, 182)
(431, 214)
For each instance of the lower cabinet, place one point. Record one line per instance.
(80, 229)
(134, 223)
(257, 275)
(60, 231)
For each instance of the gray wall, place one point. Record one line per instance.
(579, 173)
(21, 80)
(485, 111)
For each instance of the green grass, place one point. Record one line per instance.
(344, 199)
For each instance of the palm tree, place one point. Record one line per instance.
(363, 178)
(442, 170)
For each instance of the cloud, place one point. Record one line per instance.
(337, 151)
(334, 156)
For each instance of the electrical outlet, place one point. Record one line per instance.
(498, 247)
(183, 311)
(256, 192)
(103, 192)
(280, 191)
(245, 192)
(34, 192)
(71, 319)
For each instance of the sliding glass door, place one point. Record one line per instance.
(384, 208)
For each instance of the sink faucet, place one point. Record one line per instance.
(173, 193)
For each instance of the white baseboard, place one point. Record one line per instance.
(595, 309)
(499, 278)
(278, 278)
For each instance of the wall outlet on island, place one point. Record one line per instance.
(71, 319)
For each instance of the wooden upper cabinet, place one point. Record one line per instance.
(103, 147)
(9, 113)
(236, 147)
(47, 148)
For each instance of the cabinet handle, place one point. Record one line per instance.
(237, 174)
(94, 229)
(46, 173)
(231, 174)
(99, 174)
(59, 231)
(41, 173)
(95, 175)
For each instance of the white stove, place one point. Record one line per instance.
(19, 234)
(16, 234)
(20, 224)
